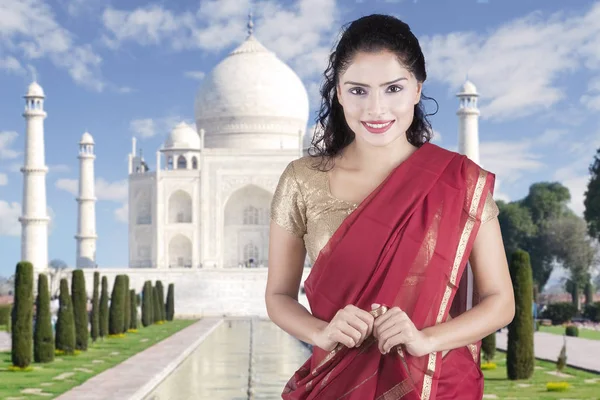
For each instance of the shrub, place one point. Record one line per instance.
(126, 304)
(65, 325)
(561, 361)
(560, 313)
(22, 316)
(156, 305)
(592, 311)
(557, 386)
(117, 307)
(80, 315)
(519, 355)
(43, 338)
(488, 347)
(5, 310)
(95, 316)
(104, 308)
(161, 301)
(133, 310)
(147, 303)
(572, 330)
(171, 302)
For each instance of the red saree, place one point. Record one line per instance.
(406, 245)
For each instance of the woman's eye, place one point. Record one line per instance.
(395, 88)
(357, 90)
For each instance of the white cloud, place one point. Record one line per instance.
(105, 190)
(198, 75)
(144, 128)
(3, 179)
(437, 137)
(150, 127)
(29, 30)
(11, 64)
(122, 213)
(9, 218)
(591, 100)
(518, 66)
(510, 160)
(7, 139)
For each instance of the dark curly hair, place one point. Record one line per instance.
(371, 33)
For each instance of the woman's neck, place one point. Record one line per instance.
(362, 156)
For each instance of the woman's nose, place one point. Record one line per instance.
(375, 105)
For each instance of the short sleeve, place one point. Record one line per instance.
(288, 209)
(490, 209)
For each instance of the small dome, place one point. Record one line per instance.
(468, 88)
(35, 90)
(86, 138)
(182, 136)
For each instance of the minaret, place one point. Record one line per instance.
(86, 221)
(34, 219)
(468, 144)
(468, 122)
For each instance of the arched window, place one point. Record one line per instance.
(251, 216)
(194, 163)
(170, 162)
(250, 252)
(181, 162)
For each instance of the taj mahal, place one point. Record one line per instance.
(201, 218)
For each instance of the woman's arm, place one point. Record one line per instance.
(496, 308)
(286, 263)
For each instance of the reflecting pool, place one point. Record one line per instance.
(242, 359)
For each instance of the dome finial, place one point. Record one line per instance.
(250, 24)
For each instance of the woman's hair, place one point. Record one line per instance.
(372, 33)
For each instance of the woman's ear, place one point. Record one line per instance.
(339, 95)
(418, 92)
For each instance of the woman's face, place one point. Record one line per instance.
(378, 96)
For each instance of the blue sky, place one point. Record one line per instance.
(133, 68)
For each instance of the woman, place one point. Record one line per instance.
(390, 221)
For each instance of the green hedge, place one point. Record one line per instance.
(22, 316)
(147, 304)
(43, 337)
(65, 325)
(117, 306)
(5, 310)
(572, 330)
(559, 313)
(104, 308)
(170, 302)
(592, 311)
(80, 314)
(520, 358)
(95, 316)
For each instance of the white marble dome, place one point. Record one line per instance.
(468, 88)
(252, 99)
(86, 138)
(183, 136)
(35, 90)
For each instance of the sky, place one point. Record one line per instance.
(132, 68)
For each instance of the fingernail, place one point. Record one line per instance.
(375, 306)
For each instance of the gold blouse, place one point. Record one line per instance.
(303, 205)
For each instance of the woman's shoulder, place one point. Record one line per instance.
(305, 169)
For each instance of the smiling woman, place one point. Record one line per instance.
(390, 221)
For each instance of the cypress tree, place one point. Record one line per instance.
(519, 355)
(133, 309)
(126, 305)
(104, 308)
(116, 322)
(65, 326)
(171, 302)
(488, 347)
(161, 300)
(80, 314)
(95, 317)
(589, 293)
(43, 338)
(22, 316)
(147, 302)
(156, 304)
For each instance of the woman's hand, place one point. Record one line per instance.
(394, 327)
(350, 326)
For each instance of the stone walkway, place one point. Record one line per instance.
(581, 353)
(4, 341)
(135, 377)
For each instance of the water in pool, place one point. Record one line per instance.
(240, 360)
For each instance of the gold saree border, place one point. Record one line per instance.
(464, 239)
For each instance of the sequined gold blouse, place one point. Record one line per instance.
(303, 205)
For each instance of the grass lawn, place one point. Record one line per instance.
(583, 333)
(75, 370)
(583, 385)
